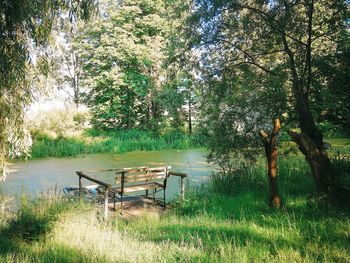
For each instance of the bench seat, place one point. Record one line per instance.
(138, 187)
(129, 180)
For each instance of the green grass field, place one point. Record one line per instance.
(224, 220)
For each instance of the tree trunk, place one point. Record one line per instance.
(310, 140)
(76, 91)
(318, 159)
(270, 145)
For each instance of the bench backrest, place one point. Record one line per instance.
(139, 175)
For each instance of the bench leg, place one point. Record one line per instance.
(164, 196)
(147, 193)
(154, 197)
(114, 200)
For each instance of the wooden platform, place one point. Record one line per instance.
(138, 179)
(134, 206)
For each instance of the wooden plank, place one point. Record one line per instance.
(145, 179)
(81, 174)
(141, 169)
(99, 171)
(132, 170)
(80, 187)
(141, 187)
(182, 175)
(140, 179)
(162, 168)
(130, 176)
(182, 189)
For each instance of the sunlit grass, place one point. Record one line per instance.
(226, 220)
(339, 141)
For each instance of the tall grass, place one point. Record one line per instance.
(226, 220)
(93, 141)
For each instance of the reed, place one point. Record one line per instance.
(94, 141)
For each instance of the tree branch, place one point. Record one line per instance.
(265, 15)
(309, 48)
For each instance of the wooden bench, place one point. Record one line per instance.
(141, 179)
(130, 180)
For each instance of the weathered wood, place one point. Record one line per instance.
(131, 170)
(150, 176)
(182, 188)
(140, 169)
(141, 177)
(138, 187)
(182, 175)
(144, 179)
(122, 181)
(81, 174)
(99, 170)
(159, 169)
(80, 187)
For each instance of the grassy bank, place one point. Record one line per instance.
(226, 220)
(93, 141)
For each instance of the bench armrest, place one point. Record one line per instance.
(182, 175)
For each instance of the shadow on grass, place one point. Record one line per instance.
(211, 236)
(22, 239)
(210, 218)
(34, 220)
(15, 251)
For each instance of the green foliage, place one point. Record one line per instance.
(58, 122)
(260, 60)
(291, 168)
(232, 114)
(341, 163)
(332, 80)
(23, 26)
(122, 52)
(97, 141)
(331, 130)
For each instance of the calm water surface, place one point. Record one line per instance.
(40, 175)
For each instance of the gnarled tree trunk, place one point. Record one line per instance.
(310, 140)
(318, 159)
(270, 145)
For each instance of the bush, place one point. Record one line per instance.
(331, 130)
(59, 122)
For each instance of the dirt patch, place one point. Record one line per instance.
(136, 206)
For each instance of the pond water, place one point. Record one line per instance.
(41, 175)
